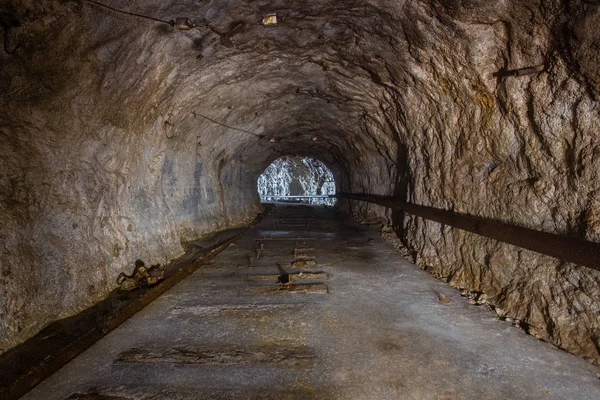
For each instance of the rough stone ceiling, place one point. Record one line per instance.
(107, 155)
(291, 82)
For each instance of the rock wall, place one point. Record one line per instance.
(95, 171)
(515, 149)
(120, 137)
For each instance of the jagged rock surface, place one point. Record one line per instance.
(109, 153)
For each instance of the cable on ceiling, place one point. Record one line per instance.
(171, 23)
(230, 127)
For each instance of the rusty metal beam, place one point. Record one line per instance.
(566, 248)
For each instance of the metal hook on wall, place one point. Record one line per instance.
(181, 23)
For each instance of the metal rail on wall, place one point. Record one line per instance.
(566, 248)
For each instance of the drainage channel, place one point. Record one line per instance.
(29, 363)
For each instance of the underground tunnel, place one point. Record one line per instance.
(131, 130)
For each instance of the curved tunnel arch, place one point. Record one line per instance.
(107, 157)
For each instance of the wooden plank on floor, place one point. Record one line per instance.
(224, 355)
(294, 276)
(296, 289)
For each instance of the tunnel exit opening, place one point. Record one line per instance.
(297, 179)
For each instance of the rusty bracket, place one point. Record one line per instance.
(520, 71)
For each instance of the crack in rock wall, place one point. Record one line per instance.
(117, 139)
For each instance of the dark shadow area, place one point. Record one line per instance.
(401, 189)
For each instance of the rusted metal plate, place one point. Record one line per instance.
(249, 310)
(303, 263)
(273, 257)
(226, 355)
(302, 288)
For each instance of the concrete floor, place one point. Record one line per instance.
(380, 331)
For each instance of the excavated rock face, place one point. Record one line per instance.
(111, 146)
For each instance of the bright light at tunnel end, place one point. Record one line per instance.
(297, 176)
